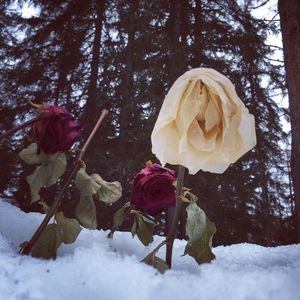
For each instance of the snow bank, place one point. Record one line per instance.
(96, 268)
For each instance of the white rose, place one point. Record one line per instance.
(203, 124)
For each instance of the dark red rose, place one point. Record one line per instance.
(56, 130)
(153, 189)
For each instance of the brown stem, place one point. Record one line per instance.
(28, 247)
(155, 250)
(15, 129)
(173, 229)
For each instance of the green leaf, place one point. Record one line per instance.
(48, 243)
(30, 156)
(86, 212)
(156, 262)
(70, 227)
(109, 192)
(85, 183)
(46, 174)
(119, 215)
(144, 230)
(200, 231)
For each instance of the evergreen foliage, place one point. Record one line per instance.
(125, 55)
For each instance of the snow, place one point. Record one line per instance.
(96, 268)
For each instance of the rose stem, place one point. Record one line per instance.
(156, 249)
(13, 130)
(27, 248)
(173, 229)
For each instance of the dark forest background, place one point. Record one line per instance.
(125, 55)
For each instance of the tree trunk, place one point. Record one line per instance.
(173, 68)
(178, 30)
(289, 11)
(198, 52)
(91, 113)
(175, 58)
(266, 205)
(127, 95)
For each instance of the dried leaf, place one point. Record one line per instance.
(119, 215)
(70, 228)
(48, 243)
(86, 212)
(46, 174)
(89, 185)
(196, 222)
(156, 262)
(109, 192)
(134, 228)
(85, 183)
(200, 232)
(30, 156)
(144, 230)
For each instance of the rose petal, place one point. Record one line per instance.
(202, 124)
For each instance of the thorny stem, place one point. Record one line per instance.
(15, 129)
(28, 247)
(173, 229)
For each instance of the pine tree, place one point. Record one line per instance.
(126, 55)
(289, 11)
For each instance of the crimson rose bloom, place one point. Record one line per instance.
(56, 130)
(153, 189)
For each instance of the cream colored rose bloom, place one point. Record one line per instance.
(203, 124)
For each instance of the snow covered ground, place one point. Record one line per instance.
(96, 268)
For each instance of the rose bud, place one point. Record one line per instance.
(153, 189)
(56, 130)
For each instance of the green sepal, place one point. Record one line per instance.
(48, 243)
(156, 262)
(70, 228)
(46, 174)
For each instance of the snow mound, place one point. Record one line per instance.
(96, 268)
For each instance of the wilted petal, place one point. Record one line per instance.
(203, 124)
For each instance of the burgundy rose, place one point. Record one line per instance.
(56, 130)
(153, 189)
